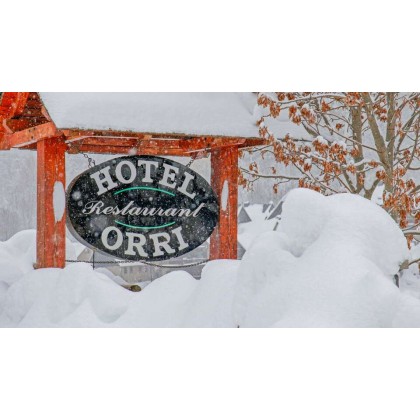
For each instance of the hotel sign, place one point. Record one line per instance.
(141, 208)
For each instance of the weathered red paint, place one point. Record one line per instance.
(224, 181)
(33, 135)
(51, 234)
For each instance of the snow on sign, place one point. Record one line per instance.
(141, 208)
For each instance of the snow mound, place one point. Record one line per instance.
(249, 232)
(178, 300)
(76, 296)
(18, 255)
(329, 264)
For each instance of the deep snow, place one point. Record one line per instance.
(202, 113)
(330, 263)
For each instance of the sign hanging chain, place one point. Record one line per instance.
(76, 146)
(193, 158)
(91, 161)
(196, 155)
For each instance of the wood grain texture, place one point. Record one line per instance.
(224, 176)
(51, 234)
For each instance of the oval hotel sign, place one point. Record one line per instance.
(141, 208)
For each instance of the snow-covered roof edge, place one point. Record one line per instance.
(201, 114)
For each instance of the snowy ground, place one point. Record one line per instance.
(330, 263)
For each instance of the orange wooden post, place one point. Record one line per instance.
(51, 226)
(224, 181)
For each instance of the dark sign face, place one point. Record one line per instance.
(141, 208)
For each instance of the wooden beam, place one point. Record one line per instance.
(12, 103)
(4, 140)
(254, 143)
(75, 134)
(78, 134)
(117, 150)
(117, 142)
(186, 144)
(224, 181)
(31, 146)
(51, 181)
(32, 135)
(162, 147)
(22, 123)
(74, 148)
(125, 142)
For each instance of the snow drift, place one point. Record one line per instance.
(330, 263)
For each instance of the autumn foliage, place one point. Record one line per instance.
(355, 143)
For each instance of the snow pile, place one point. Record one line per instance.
(18, 255)
(255, 212)
(178, 300)
(73, 297)
(78, 296)
(330, 264)
(17, 258)
(410, 281)
(248, 232)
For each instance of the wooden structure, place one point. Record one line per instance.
(25, 123)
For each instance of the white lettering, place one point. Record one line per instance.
(161, 244)
(197, 210)
(149, 212)
(184, 212)
(105, 179)
(148, 169)
(182, 243)
(97, 207)
(136, 244)
(93, 206)
(169, 176)
(184, 186)
(135, 211)
(105, 238)
(108, 210)
(124, 210)
(119, 170)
